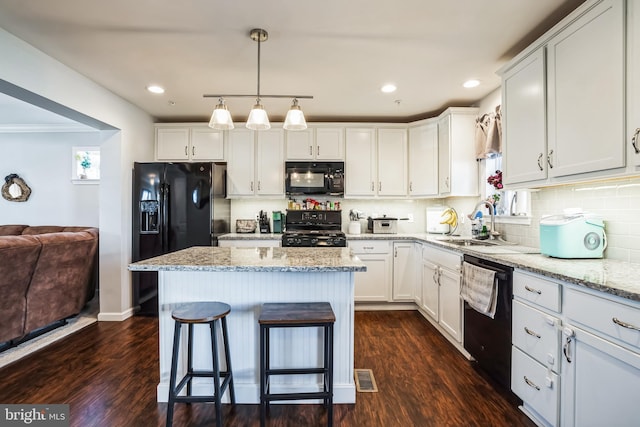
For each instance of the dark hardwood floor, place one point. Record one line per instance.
(108, 372)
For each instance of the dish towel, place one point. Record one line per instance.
(479, 289)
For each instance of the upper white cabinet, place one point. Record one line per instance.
(360, 162)
(524, 120)
(376, 162)
(392, 162)
(633, 82)
(321, 143)
(564, 99)
(256, 163)
(189, 143)
(423, 160)
(585, 119)
(457, 165)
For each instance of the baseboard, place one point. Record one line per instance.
(384, 306)
(115, 317)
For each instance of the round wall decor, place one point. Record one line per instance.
(15, 189)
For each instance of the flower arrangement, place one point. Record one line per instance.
(496, 181)
(85, 163)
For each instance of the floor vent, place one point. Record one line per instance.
(365, 381)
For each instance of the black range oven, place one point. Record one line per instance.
(311, 228)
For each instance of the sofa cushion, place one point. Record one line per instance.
(18, 255)
(42, 229)
(59, 285)
(11, 230)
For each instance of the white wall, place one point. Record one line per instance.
(131, 140)
(44, 161)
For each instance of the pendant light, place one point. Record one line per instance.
(258, 118)
(221, 117)
(295, 118)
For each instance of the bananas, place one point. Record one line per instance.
(449, 216)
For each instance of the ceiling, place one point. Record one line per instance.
(340, 52)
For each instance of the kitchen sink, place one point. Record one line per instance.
(495, 246)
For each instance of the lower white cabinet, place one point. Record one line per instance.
(601, 361)
(536, 385)
(403, 286)
(374, 284)
(441, 289)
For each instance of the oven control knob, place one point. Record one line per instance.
(314, 241)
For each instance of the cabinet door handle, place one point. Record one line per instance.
(380, 186)
(540, 162)
(186, 150)
(372, 186)
(530, 332)
(410, 186)
(436, 276)
(549, 159)
(625, 324)
(251, 185)
(193, 151)
(311, 150)
(531, 383)
(566, 349)
(258, 185)
(634, 141)
(535, 291)
(395, 252)
(318, 150)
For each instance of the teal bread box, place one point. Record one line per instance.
(578, 235)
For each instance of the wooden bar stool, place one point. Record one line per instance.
(296, 315)
(192, 314)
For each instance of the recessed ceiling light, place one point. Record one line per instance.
(155, 89)
(388, 88)
(471, 83)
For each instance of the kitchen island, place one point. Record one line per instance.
(245, 278)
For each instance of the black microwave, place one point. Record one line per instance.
(314, 178)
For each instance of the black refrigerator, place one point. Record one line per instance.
(175, 206)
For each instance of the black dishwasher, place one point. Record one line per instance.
(489, 340)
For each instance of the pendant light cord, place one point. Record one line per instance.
(259, 42)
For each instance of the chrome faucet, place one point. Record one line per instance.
(492, 211)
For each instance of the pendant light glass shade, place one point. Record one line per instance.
(295, 118)
(221, 117)
(258, 119)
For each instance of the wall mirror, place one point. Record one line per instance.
(15, 189)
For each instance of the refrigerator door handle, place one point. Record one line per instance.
(164, 188)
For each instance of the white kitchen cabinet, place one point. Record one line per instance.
(586, 122)
(392, 162)
(633, 82)
(524, 128)
(360, 162)
(376, 162)
(403, 286)
(374, 284)
(441, 289)
(256, 163)
(457, 165)
(423, 160)
(601, 362)
(189, 143)
(535, 335)
(316, 143)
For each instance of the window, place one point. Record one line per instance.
(85, 164)
(513, 204)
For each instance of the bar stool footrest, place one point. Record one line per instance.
(294, 371)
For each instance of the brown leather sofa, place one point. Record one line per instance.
(47, 274)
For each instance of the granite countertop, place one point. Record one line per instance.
(611, 276)
(207, 258)
(251, 236)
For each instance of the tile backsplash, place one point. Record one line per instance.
(617, 201)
